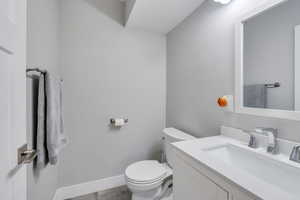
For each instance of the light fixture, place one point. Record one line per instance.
(223, 1)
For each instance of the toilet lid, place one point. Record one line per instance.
(145, 171)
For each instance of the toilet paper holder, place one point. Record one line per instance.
(116, 122)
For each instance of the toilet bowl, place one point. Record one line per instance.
(147, 180)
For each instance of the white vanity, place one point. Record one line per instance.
(225, 168)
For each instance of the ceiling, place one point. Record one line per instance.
(159, 16)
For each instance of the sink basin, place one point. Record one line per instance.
(263, 167)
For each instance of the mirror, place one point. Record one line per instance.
(270, 58)
(268, 61)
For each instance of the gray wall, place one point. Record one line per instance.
(269, 52)
(42, 50)
(109, 71)
(200, 68)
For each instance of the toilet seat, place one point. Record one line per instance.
(138, 187)
(146, 172)
(145, 182)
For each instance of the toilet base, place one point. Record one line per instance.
(170, 197)
(146, 195)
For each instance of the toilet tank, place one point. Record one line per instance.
(172, 135)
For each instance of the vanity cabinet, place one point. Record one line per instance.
(192, 185)
(241, 196)
(201, 183)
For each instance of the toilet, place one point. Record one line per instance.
(149, 179)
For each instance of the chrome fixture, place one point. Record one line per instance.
(295, 155)
(272, 134)
(36, 69)
(32, 76)
(252, 142)
(223, 1)
(26, 156)
(252, 139)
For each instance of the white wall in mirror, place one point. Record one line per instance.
(282, 100)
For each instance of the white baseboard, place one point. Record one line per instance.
(89, 187)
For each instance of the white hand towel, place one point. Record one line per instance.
(56, 138)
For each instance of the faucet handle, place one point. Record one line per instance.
(295, 155)
(252, 142)
(272, 134)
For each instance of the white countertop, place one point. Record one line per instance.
(264, 190)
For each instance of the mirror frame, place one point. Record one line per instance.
(239, 65)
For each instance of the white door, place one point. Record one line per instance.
(12, 97)
(297, 68)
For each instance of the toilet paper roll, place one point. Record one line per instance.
(119, 122)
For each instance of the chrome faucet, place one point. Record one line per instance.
(272, 134)
(252, 139)
(295, 155)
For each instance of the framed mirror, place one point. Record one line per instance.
(267, 79)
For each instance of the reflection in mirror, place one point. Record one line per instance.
(272, 58)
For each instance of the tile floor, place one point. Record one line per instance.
(120, 193)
